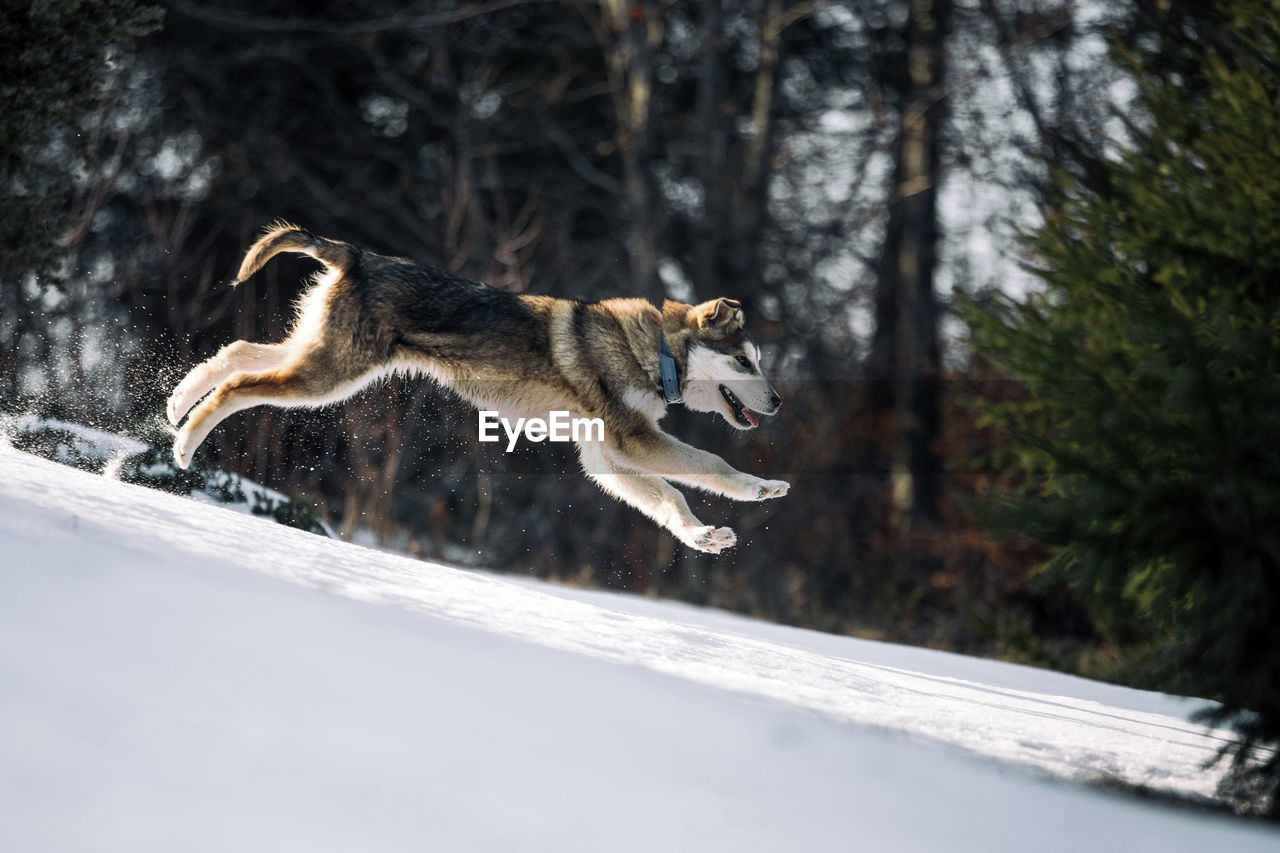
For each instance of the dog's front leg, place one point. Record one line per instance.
(655, 452)
(656, 499)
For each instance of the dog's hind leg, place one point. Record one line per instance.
(655, 498)
(237, 357)
(310, 382)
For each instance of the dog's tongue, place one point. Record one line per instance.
(750, 416)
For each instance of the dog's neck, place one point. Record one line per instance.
(668, 373)
(669, 347)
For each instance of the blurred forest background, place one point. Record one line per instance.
(1013, 265)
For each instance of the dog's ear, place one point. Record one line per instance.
(718, 315)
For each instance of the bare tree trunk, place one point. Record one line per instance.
(711, 126)
(904, 360)
(633, 30)
(736, 186)
(770, 22)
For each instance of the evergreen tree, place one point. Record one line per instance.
(56, 62)
(54, 58)
(1148, 445)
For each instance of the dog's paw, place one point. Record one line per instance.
(182, 400)
(182, 452)
(172, 409)
(771, 489)
(711, 540)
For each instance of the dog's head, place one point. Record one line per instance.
(722, 369)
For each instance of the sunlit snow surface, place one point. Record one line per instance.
(176, 676)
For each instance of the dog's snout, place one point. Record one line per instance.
(775, 402)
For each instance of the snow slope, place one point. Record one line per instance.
(177, 676)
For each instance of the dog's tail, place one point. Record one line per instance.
(283, 237)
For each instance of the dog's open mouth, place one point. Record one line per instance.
(741, 413)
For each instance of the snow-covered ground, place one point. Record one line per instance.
(178, 676)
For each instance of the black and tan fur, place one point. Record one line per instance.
(369, 315)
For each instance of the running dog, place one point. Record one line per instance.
(367, 316)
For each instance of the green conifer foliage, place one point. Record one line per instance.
(54, 57)
(1150, 446)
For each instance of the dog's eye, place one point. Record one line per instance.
(744, 361)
